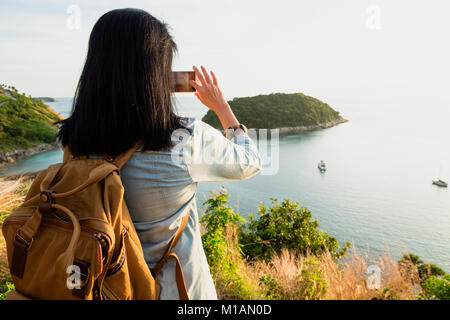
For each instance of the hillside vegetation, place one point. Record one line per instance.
(281, 254)
(24, 121)
(278, 110)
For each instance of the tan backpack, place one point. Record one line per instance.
(73, 237)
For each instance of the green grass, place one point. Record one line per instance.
(6, 285)
(5, 278)
(4, 98)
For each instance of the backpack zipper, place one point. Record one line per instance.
(122, 256)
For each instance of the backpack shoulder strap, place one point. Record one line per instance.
(181, 284)
(121, 159)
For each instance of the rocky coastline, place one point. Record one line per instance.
(12, 156)
(300, 129)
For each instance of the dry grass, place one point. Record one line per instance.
(8, 194)
(349, 280)
(12, 193)
(290, 276)
(294, 277)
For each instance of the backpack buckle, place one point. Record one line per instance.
(45, 201)
(19, 258)
(27, 243)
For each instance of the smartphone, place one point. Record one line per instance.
(181, 81)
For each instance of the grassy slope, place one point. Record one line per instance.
(278, 110)
(24, 121)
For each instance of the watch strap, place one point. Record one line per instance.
(230, 133)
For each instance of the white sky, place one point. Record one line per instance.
(332, 50)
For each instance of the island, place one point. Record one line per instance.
(45, 99)
(27, 125)
(288, 112)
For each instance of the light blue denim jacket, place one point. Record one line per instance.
(161, 186)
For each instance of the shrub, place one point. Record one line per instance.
(424, 270)
(5, 286)
(286, 225)
(436, 288)
(223, 250)
(217, 217)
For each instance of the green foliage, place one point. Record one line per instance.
(286, 225)
(6, 286)
(434, 281)
(225, 256)
(217, 217)
(274, 291)
(222, 249)
(313, 284)
(3, 215)
(435, 288)
(24, 121)
(277, 110)
(425, 270)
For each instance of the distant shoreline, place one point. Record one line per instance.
(45, 99)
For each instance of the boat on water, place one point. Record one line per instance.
(322, 166)
(441, 183)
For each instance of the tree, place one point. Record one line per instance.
(286, 225)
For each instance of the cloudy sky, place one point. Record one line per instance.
(353, 50)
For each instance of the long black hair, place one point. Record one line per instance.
(123, 95)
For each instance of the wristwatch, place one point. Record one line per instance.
(232, 131)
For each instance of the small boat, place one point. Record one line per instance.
(441, 183)
(322, 166)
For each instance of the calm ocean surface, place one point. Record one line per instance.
(377, 192)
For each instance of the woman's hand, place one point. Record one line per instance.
(209, 93)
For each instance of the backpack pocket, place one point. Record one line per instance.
(117, 282)
(42, 278)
